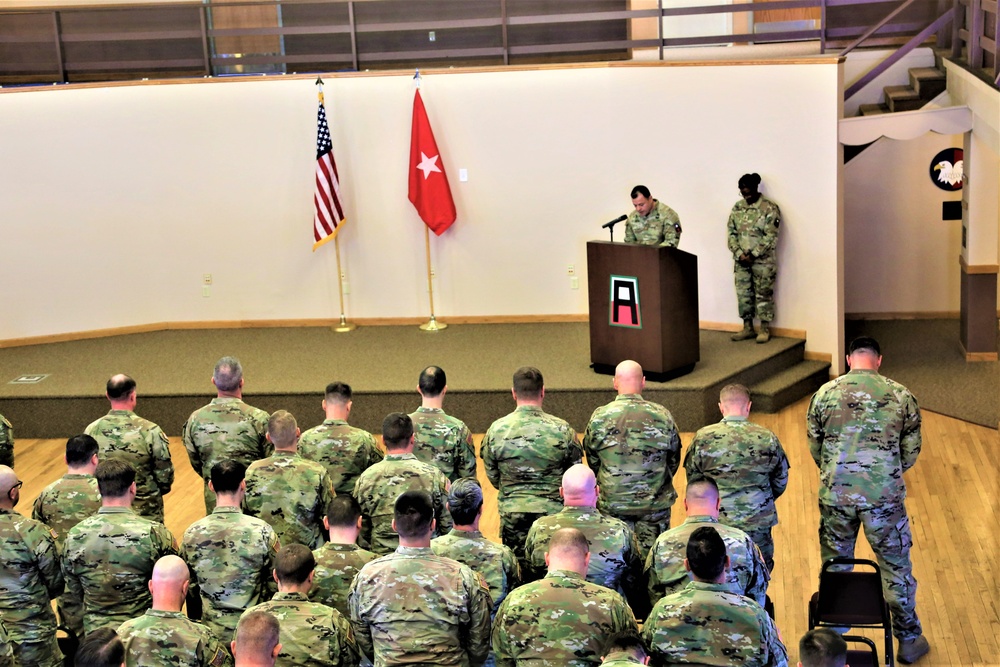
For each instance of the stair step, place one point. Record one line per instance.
(872, 109)
(902, 98)
(787, 386)
(929, 82)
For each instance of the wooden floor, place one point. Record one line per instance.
(953, 507)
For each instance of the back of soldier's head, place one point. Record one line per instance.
(119, 387)
(338, 392)
(528, 383)
(822, 647)
(628, 642)
(702, 490)
(228, 374)
(465, 500)
(865, 344)
(413, 514)
(735, 394)
(101, 648)
(281, 428)
(568, 543)
(343, 512)
(256, 637)
(706, 553)
(293, 564)
(432, 381)
(114, 477)
(397, 429)
(80, 449)
(227, 475)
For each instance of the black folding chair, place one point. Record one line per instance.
(861, 651)
(849, 599)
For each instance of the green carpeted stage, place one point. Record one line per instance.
(288, 368)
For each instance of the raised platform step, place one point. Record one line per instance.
(785, 387)
(928, 82)
(902, 98)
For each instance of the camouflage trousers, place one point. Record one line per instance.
(887, 529)
(44, 653)
(151, 507)
(647, 529)
(755, 289)
(70, 611)
(514, 527)
(764, 541)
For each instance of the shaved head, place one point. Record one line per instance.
(628, 378)
(170, 569)
(8, 478)
(579, 486)
(169, 583)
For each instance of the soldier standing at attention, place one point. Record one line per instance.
(414, 607)
(753, 240)
(340, 558)
(164, 636)
(748, 464)
(625, 650)
(864, 433)
(378, 487)
(29, 580)
(665, 572)
(706, 622)
(634, 449)
(109, 557)
(346, 451)
(226, 428)
(525, 455)
(65, 503)
(440, 439)
(652, 222)
(289, 492)
(256, 643)
(6, 442)
(122, 434)
(231, 555)
(562, 619)
(311, 633)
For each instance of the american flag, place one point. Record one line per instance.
(329, 213)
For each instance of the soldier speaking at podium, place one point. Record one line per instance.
(652, 222)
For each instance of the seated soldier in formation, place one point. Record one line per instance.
(340, 558)
(100, 648)
(822, 647)
(625, 650)
(257, 640)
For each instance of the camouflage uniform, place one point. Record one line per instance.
(749, 465)
(661, 227)
(413, 607)
(6, 442)
(665, 573)
(108, 560)
(753, 229)
(290, 493)
(336, 565)
(707, 624)
(634, 450)
(124, 435)
(864, 433)
(559, 620)
(344, 450)
(443, 441)
(378, 487)
(167, 638)
(525, 455)
(231, 557)
(29, 579)
(61, 505)
(6, 648)
(226, 428)
(620, 659)
(311, 633)
(615, 562)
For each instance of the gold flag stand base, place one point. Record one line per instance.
(433, 325)
(345, 326)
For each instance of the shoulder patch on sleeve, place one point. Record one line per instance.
(219, 658)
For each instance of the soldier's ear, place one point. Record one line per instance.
(274, 575)
(687, 567)
(326, 524)
(394, 526)
(276, 651)
(359, 523)
(232, 647)
(211, 487)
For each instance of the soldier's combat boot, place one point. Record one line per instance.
(765, 332)
(912, 650)
(747, 332)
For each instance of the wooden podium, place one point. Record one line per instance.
(643, 306)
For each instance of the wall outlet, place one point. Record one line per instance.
(574, 283)
(206, 291)
(571, 270)
(206, 279)
(347, 287)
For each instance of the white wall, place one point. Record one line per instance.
(117, 200)
(900, 256)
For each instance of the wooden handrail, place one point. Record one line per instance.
(878, 26)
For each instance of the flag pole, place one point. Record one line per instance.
(431, 324)
(344, 326)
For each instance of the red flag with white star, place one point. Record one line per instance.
(429, 189)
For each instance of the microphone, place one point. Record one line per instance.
(608, 225)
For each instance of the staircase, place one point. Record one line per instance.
(926, 83)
